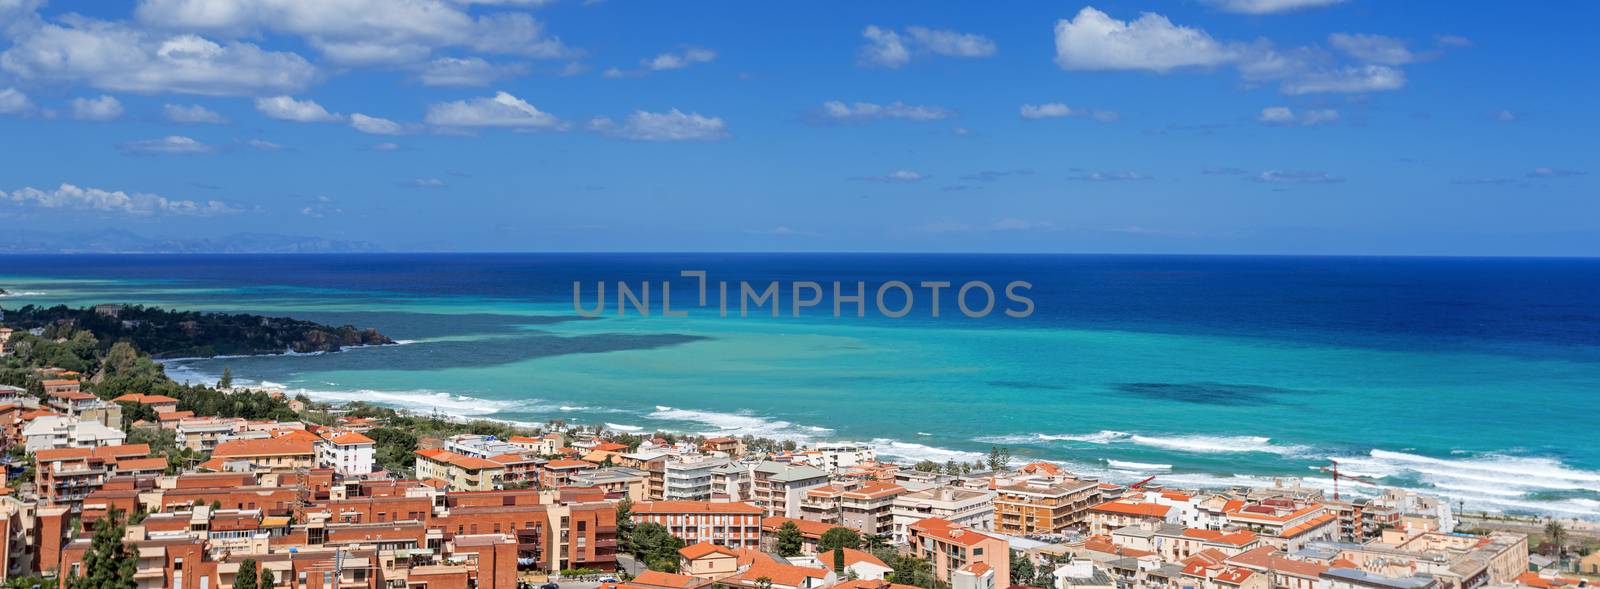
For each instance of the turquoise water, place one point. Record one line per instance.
(1403, 376)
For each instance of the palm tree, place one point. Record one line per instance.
(1557, 534)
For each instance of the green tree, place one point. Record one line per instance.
(1021, 567)
(109, 564)
(226, 382)
(625, 525)
(267, 580)
(838, 562)
(838, 537)
(246, 577)
(656, 547)
(789, 540)
(994, 458)
(1556, 534)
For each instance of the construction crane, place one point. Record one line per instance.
(1142, 483)
(1333, 469)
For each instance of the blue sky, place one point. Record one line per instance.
(1185, 126)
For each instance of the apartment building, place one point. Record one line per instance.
(690, 478)
(459, 472)
(867, 508)
(778, 488)
(951, 548)
(1284, 523)
(61, 431)
(349, 454)
(1049, 506)
(283, 453)
(735, 525)
(967, 508)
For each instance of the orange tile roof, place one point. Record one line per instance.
(459, 460)
(1043, 467)
(123, 451)
(696, 507)
(565, 464)
(54, 454)
(808, 528)
(280, 446)
(700, 550)
(58, 383)
(977, 568)
(943, 529)
(609, 447)
(1315, 523)
(778, 573)
(1127, 508)
(73, 395)
(156, 463)
(851, 557)
(875, 490)
(660, 579)
(351, 438)
(1234, 576)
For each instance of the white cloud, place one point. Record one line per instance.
(286, 108)
(890, 49)
(1350, 79)
(103, 108)
(897, 176)
(1091, 176)
(865, 111)
(193, 113)
(169, 145)
(501, 110)
(673, 61)
(262, 145)
(1297, 177)
(13, 101)
(375, 125)
(1269, 6)
(884, 48)
(425, 183)
(1056, 110)
(1372, 48)
(386, 146)
(360, 32)
(1094, 41)
(1546, 172)
(114, 57)
(1285, 116)
(673, 125)
(471, 71)
(69, 196)
(950, 43)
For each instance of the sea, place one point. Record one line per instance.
(1475, 379)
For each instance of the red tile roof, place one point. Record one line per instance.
(281, 446)
(703, 549)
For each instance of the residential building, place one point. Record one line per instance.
(690, 478)
(1048, 506)
(951, 548)
(735, 525)
(349, 454)
(967, 508)
(777, 488)
(708, 560)
(60, 431)
(282, 453)
(867, 508)
(459, 472)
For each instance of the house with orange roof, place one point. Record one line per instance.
(459, 472)
(659, 580)
(708, 561)
(1112, 515)
(348, 453)
(284, 453)
(978, 575)
(1286, 573)
(765, 570)
(559, 472)
(857, 564)
(867, 508)
(159, 403)
(810, 531)
(1286, 525)
(951, 548)
(1043, 506)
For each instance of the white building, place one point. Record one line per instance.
(968, 508)
(833, 456)
(56, 431)
(690, 478)
(349, 454)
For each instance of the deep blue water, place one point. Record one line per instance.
(1474, 378)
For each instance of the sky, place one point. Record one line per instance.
(1380, 127)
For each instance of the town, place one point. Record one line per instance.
(118, 477)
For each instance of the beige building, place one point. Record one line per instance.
(1043, 506)
(459, 472)
(968, 508)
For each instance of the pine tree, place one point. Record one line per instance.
(108, 564)
(246, 578)
(838, 561)
(267, 580)
(227, 379)
(789, 540)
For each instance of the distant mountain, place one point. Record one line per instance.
(117, 241)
